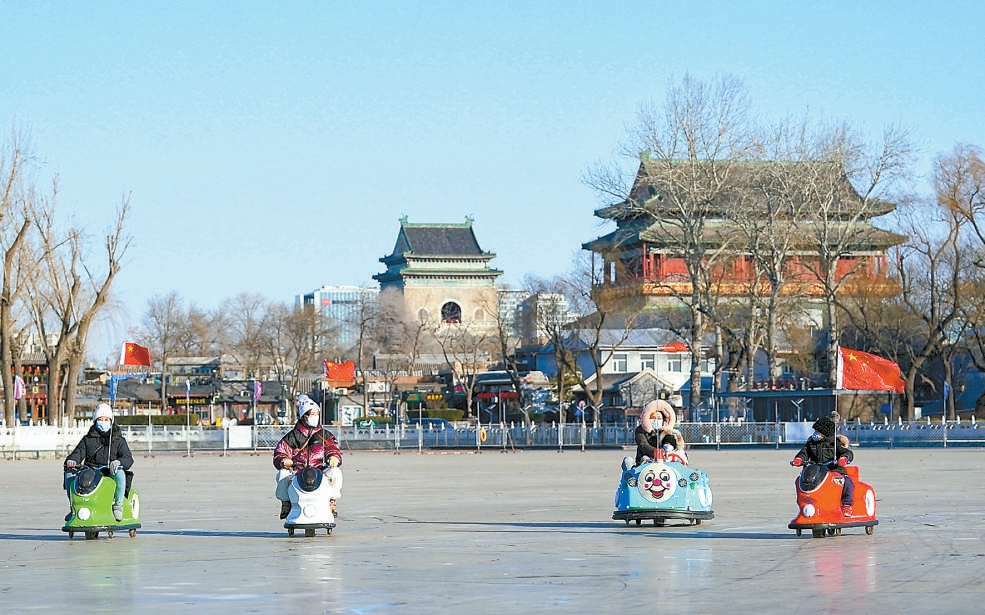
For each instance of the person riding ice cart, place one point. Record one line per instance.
(830, 495)
(660, 485)
(308, 445)
(656, 431)
(97, 504)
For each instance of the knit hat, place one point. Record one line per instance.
(101, 411)
(825, 426)
(306, 405)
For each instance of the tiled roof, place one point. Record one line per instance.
(652, 184)
(437, 239)
(443, 241)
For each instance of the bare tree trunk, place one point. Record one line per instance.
(697, 333)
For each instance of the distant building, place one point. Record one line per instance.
(439, 274)
(341, 305)
(535, 309)
(642, 260)
(625, 352)
(509, 310)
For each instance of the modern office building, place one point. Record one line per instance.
(342, 306)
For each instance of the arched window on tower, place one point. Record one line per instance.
(423, 315)
(451, 312)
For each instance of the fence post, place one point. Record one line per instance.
(150, 436)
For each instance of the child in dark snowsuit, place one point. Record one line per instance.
(825, 449)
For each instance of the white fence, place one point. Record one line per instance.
(36, 441)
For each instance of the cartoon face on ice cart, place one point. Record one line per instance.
(91, 494)
(663, 489)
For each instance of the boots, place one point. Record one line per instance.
(285, 508)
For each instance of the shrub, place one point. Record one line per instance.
(449, 414)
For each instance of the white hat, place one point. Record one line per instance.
(306, 405)
(101, 411)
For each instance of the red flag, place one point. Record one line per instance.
(862, 371)
(133, 354)
(340, 374)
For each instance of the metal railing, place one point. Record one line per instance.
(148, 440)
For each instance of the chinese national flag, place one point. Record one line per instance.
(862, 371)
(134, 355)
(340, 374)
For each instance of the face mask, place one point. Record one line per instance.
(816, 436)
(103, 426)
(311, 420)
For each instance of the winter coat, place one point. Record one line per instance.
(826, 451)
(647, 442)
(98, 449)
(307, 447)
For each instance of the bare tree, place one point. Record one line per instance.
(844, 182)
(363, 319)
(466, 349)
(70, 295)
(507, 341)
(605, 323)
(398, 338)
(16, 200)
(959, 183)
(296, 336)
(687, 152)
(247, 337)
(169, 330)
(162, 326)
(924, 319)
(553, 324)
(200, 335)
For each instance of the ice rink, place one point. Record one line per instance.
(498, 533)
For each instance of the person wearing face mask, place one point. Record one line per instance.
(308, 445)
(656, 431)
(833, 452)
(105, 449)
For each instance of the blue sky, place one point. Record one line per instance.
(273, 147)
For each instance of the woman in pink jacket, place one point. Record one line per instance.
(308, 445)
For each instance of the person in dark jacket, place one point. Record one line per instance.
(105, 449)
(833, 452)
(656, 431)
(308, 445)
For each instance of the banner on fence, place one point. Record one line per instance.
(240, 436)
